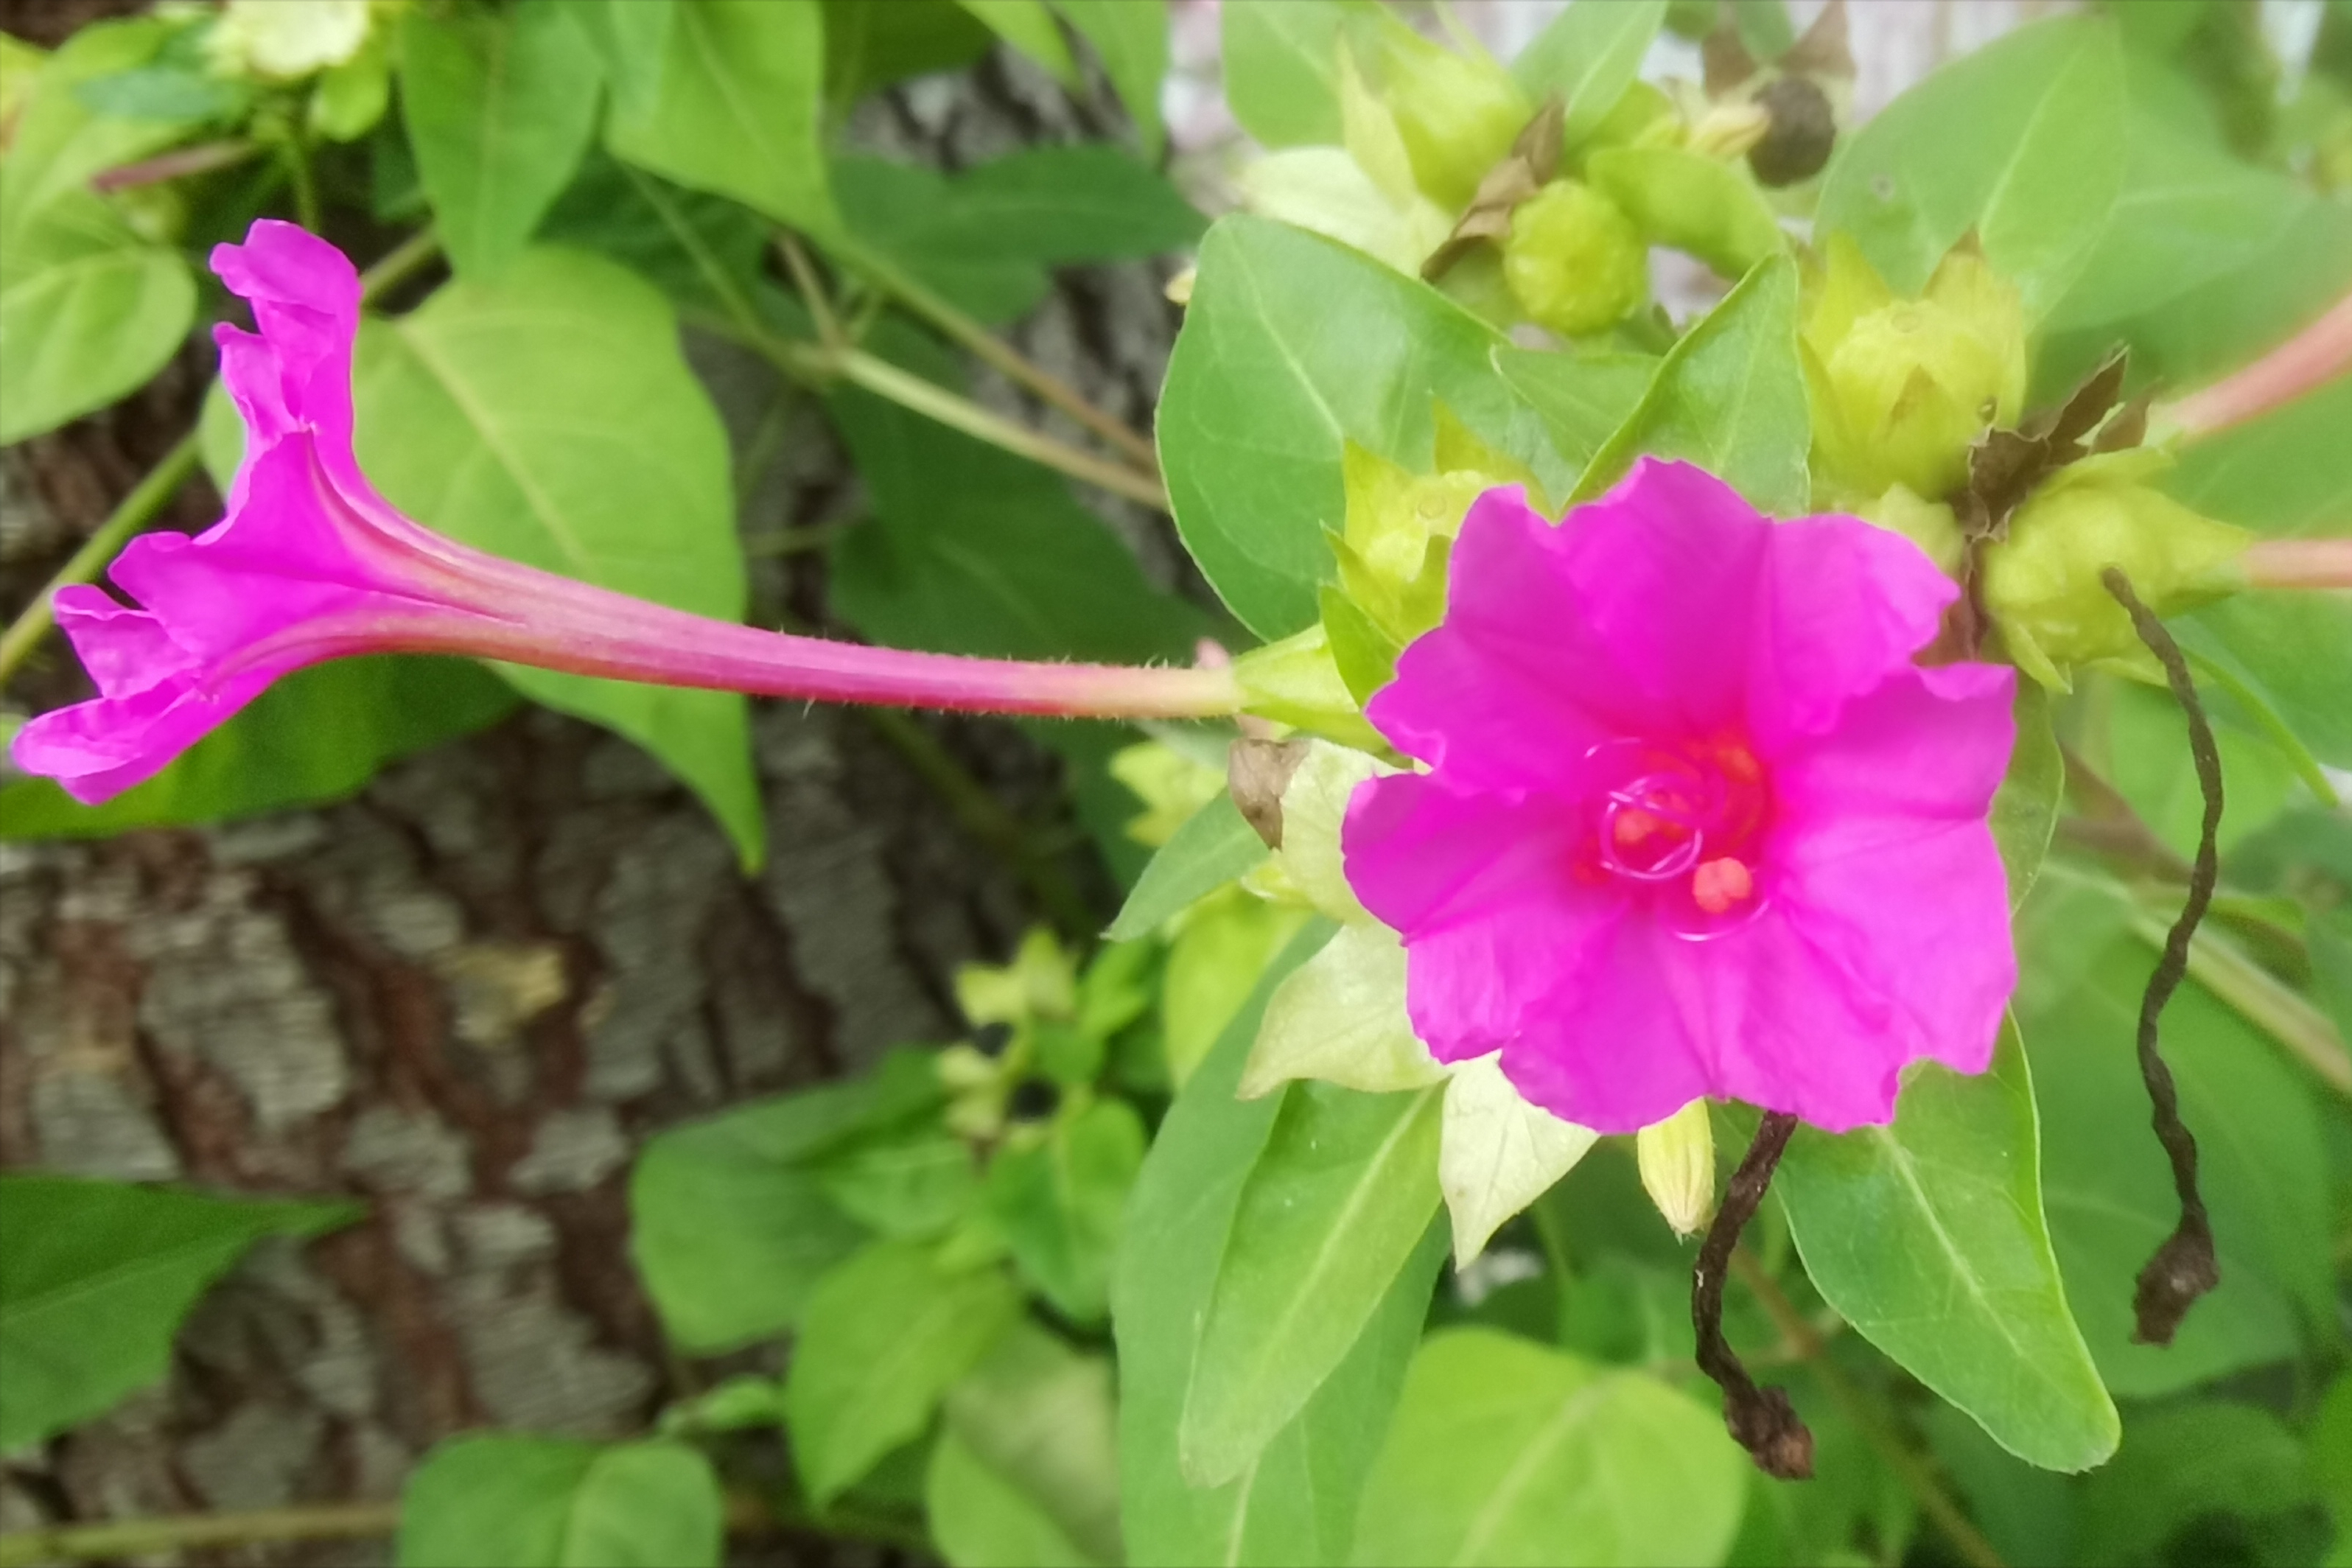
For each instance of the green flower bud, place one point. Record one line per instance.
(1040, 982)
(1171, 785)
(1928, 524)
(2041, 583)
(1677, 1158)
(1574, 260)
(1901, 387)
(1458, 115)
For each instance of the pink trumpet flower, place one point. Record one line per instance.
(310, 563)
(1694, 823)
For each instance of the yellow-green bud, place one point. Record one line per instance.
(1040, 982)
(1677, 1161)
(1458, 115)
(1171, 785)
(1574, 262)
(1928, 524)
(1901, 387)
(2041, 583)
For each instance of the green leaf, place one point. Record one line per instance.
(1334, 1206)
(1497, 1153)
(1589, 57)
(913, 1179)
(2288, 473)
(318, 735)
(87, 311)
(1281, 62)
(868, 46)
(1583, 397)
(631, 42)
(741, 91)
(1729, 397)
(2292, 653)
(1213, 848)
(1059, 1202)
(94, 1280)
(499, 107)
(883, 1337)
(729, 1225)
(1297, 1505)
(1030, 27)
(1292, 347)
(2025, 809)
(1041, 1419)
(983, 239)
(971, 549)
(2186, 1463)
(2188, 213)
(506, 1500)
(57, 141)
(1508, 1452)
(2107, 1186)
(979, 1518)
(1131, 38)
(2021, 141)
(2148, 763)
(550, 417)
(1927, 1237)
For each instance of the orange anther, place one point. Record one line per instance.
(1634, 827)
(1717, 884)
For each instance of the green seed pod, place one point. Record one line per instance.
(1574, 262)
(1901, 387)
(2041, 583)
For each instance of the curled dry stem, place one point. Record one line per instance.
(2185, 1266)
(1761, 1420)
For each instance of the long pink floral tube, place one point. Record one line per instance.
(2313, 357)
(2298, 563)
(310, 563)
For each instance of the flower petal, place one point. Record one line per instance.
(305, 296)
(1489, 695)
(1482, 887)
(1843, 606)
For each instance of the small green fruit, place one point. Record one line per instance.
(1574, 262)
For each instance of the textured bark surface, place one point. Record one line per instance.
(469, 994)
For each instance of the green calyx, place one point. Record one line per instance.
(2042, 582)
(1457, 113)
(1392, 553)
(1901, 387)
(1574, 262)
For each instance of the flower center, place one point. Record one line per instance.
(1681, 823)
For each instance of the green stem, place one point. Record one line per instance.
(818, 364)
(1878, 1429)
(2221, 967)
(985, 345)
(136, 511)
(153, 493)
(150, 1537)
(305, 183)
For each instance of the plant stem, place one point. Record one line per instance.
(991, 350)
(173, 165)
(2223, 968)
(1908, 1466)
(147, 1537)
(818, 364)
(2319, 354)
(2298, 563)
(136, 511)
(153, 492)
(305, 182)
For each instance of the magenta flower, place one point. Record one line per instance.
(310, 563)
(1695, 825)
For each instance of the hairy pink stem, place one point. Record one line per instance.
(2319, 354)
(2298, 563)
